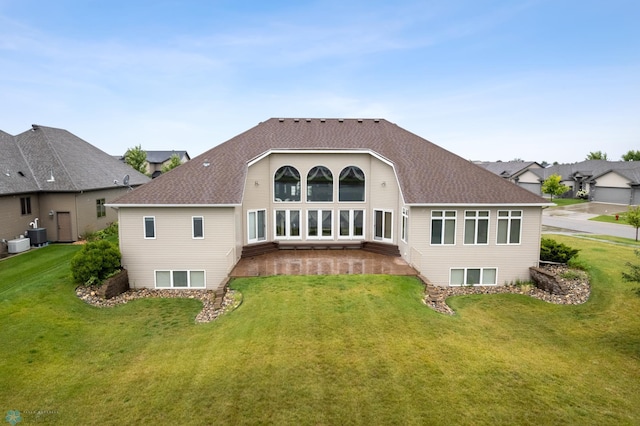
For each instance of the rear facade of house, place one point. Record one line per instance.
(324, 183)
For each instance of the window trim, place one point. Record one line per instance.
(307, 187)
(287, 234)
(364, 185)
(404, 231)
(257, 239)
(476, 219)
(171, 279)
(25, 206)
(509, 218)
(384, 228)
(465, 276)
(320, 228)
(351, 235)
(444, 219)
(193, 227)
(101, 210)
(299, 186)
(144, 227)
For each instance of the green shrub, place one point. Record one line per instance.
(96, 261)
(553, 251)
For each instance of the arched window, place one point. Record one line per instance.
(286, 184)
(320, 184)
(351, 184)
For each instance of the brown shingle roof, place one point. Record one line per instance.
(427, 173)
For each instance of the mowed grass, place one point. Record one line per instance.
(320, 350)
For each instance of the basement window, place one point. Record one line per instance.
(180, 279)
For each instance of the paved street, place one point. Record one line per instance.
(575, 219)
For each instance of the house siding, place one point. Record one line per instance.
(512, 261)
(174, 248)
(12, 222)
(259, 193)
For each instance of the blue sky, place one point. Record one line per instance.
(540, 80)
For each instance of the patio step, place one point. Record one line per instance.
(258, 249)
(381, 248)
(333, 245)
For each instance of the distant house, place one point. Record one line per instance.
(603, 181)
(518, 172)
(53, 178)
(328, 183)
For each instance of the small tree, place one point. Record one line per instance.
(552, 186)
(174, 162)
(597, 155)
(632, 217)
(631, 155)
(136, 158)
(95, 262)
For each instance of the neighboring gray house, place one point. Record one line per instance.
(518, 172)
(305, 183)
(604, 181)
(53, 178)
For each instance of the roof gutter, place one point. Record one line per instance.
(117, 206)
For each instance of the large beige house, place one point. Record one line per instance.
(329, 182)
(53, 181)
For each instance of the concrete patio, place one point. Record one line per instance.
(321, 262)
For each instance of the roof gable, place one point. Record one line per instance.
(427, 173)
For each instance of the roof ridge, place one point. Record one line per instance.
(57, 155)
(14, 139)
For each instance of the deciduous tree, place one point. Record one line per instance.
(632, 217)
(597, 155)
(552, 186)
(136, 157)
(631, 155)
(174, 162)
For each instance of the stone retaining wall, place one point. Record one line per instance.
(548, 282)
(115, 285)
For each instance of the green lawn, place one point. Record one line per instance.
(610, 218)
(319, 350)
(560, 202)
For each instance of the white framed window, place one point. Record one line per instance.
(319, 185)
(351, 185)
(256, 226)
(320, 224)
(286, 184)
(473, 276)
(476, 227)
(509, 226)
(180, 279)
(405, 225)
(383, 225)
(443, 227)
(149, 227)
(287, 224)
(351, 224)
(197, 227)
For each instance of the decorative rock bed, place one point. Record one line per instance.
(576, 288)
(210, 309)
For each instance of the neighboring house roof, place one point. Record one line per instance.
(159, 157)
(590, 169)
(508, 169)
(46, 159)
(427, 173)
